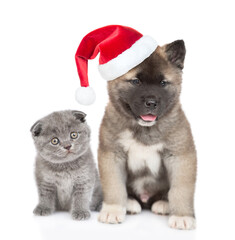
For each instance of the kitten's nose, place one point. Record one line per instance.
(68, 147)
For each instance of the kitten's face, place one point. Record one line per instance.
(61, 136)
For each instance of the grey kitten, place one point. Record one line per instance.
(66, 175)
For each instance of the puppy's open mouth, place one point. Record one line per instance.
(148, 118)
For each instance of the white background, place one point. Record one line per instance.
(38, 40)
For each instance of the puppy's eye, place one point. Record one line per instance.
(55, 141)
(163, 83)
(135, 81)
(73, 135)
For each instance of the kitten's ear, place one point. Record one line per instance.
(175, 53)
(79, 115)
(36, 129)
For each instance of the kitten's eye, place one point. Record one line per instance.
(163, 83)
(73, 135)
(55, 141)
(135, 81)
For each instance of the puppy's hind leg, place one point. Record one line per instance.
(161, 207)
(133, 206)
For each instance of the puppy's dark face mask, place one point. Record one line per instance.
(151, 90)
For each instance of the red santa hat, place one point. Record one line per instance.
(121, 49)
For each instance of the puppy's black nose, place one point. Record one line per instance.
(151, 103)
(68, 147)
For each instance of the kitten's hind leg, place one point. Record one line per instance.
(97, 198)
(96, 203)
(47, 199)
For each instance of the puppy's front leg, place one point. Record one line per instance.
(113, 180)
(182, 175)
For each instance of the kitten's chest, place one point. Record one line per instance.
(64, 183)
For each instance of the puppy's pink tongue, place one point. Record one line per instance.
(149, 118)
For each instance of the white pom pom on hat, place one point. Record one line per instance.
(85, 95)
(121, 49)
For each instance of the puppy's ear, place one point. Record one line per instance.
(175, 53)
(36, 129)
(79, 115)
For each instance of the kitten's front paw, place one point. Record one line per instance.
(112, 214)
(42, 211)
(182, 223)
(80, 215)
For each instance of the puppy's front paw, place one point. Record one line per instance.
(183, 223)
(42, 211)
(161, 207)
(112, 214)
(80, 215)
(133, 207)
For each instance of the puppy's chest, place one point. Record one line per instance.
(140, 156)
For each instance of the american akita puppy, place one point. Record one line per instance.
(147, 157)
